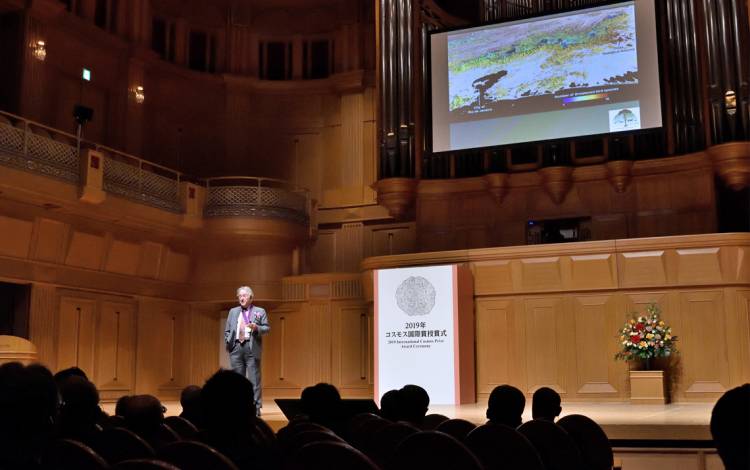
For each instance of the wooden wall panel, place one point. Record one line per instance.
(176, 267)
(76, 329)
(165, 342)
(546, 340)
(349, 247)
(42, 320)
(645, 268)
(123, 257)
(699, 266)
(597, 375)
(50, 240)
(350, 344)
(115, 339)
(495, 343)
(323, 254)
(15, 236)
(738, 334)
(151, 258)
(541, 274)
(593, 271)
(287, 354)
(86, 250)
(492, 276)
(703, 344)
(204, 354)
(390, 239)
(318, 313)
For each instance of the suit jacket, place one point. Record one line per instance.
(257, 316)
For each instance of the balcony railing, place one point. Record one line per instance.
(31, 146)
(256, 197)
(141, 181)
(34, 147)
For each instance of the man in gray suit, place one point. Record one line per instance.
(243, 335)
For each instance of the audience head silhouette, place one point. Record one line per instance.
(121, 407)
(69, 372)
(190, 400)
(414, 402)
(506, 405)
(730, 427)
(28, 411)
(322, 403)
(144, 414)
(79, 411)
(390, 405)
(227, 394)
(545, 404)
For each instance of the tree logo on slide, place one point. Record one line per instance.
(415, 296)
(624, 119)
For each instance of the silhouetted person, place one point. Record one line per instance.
(730, 427)
(79, 411)
(60, 376)
(28, 411)
(390, 405)
(228, 405)
(322, 404)
(144, 415)
(545, 405)
(190, 399)
(121, 405)
(506, 405)
(414, 403)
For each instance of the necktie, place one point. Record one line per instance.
(243, 326)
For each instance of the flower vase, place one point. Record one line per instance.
(647, 386)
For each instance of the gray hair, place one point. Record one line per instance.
(246, 289)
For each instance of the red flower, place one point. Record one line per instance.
(639, 326)
(635, 338)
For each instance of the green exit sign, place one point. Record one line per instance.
(86, 74)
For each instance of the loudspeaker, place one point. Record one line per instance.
(82, 114)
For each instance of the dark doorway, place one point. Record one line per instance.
(14, 309)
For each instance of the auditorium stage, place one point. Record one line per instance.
(621, 421)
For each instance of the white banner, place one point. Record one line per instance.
(415, 331)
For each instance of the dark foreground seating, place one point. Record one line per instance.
(502, 447)
(329, 455)
(555, 446)
(67, 454)
(592, 442)
(432, 449)
(193, 455)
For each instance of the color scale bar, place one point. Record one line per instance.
(576, 99)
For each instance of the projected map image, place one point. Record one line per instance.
(568, 61)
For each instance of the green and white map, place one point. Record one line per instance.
(543, 57)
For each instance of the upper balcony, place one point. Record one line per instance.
(237, 206)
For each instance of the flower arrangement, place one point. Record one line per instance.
(646, 337)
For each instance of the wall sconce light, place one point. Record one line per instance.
(139, 95)
(730, 102)
(39, 49)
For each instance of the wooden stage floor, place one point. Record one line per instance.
(621, 421)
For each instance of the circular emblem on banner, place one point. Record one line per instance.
(415, 296)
